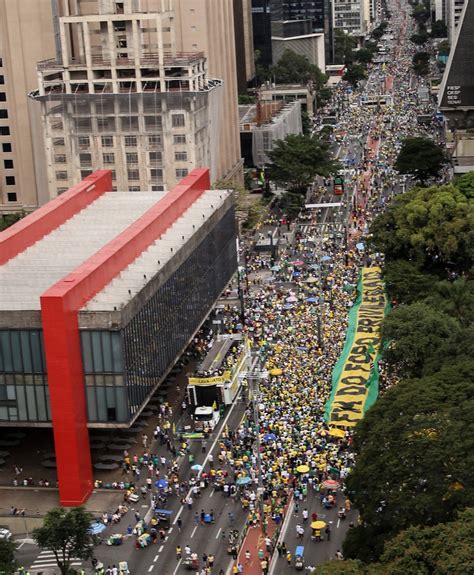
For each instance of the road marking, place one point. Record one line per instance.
(338, 523)
(284, 529)
(160, 548)
(155, 559)
(218, 533)
(226, 418)
(177, 567)
(166, 538)
(211, 493)
(194, 531)
(170, 530)
(150, 568)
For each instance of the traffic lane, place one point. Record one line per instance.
(27, 553)
(315, 552)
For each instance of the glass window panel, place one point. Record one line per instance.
(13, 413)
(21, 403)
(110, 395)
(101, 404)
(117, 351)
(97, 351)
(122, 405)
(36, 340)
(87, 352)
(107, 351)
(41, 403)
(26, 351)
(6, 351)
(3, 414)
(16, 351)
(31, 402)
(11, 392)
(91, 404)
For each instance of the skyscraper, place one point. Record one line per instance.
(26, 35)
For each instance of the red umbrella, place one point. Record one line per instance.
(330, 484)
(298, 263)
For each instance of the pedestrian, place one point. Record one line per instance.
(145, 440)
(288, 557)
(179, 552)
(179, 523)
(339, 555)
(247, 556)
(328, 533)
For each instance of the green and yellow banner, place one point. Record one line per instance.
(355, 377)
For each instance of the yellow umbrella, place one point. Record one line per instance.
(276, 371)
(318, 525)
(335, 432)
(302, 469)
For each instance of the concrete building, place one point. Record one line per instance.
(208, 26)
(456, 93)
(245, 54)
(454, 10)
(305, 95)
(100, 294)
(309, 45)
(263, 124)
(120, 96)
(352, 16)
(26, 35)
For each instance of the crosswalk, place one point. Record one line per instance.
(47, 559)
(322, 230)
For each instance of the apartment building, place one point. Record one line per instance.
(119, 95)
(26, 35)
(352, 16)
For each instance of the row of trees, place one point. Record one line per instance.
(413, 481)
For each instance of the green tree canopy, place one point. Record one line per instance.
(439, 29)
(364, 55)
(344, 46)
(354, 74)
(455, 298)
(414, 454)
(7, 220)
(421, 14)
(433, 227)
(405, 282)
(8, 563)
(298, 159)
(444, 48)
(293, 68)
(465, 184)
(421, 158)
(417, 332)
(349, 567)
(66, 534)
(421, 63)
(420, 38)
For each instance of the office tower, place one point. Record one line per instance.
(312, 10)
(453, 15)
(352, 16)
(245, 56)
(26, 35)
(119, 95)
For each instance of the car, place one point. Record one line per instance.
(5, 533)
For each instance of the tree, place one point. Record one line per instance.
(293, 68)
(446, 548)
(444, 48)
(417, 333)
(344, 45)
(377, 33)
(8, 563)
(421, 14)
(364, 56)
(350, 567)
(372, 46)
(465, 184)
(305, 123)
(7, 220)
(414, 458)
(298, 159)
(421, 63)
(433, 227)
(405, 282)
(354, 73)
(420, 38)
(439, 29)
(66, 534)
(421, 158)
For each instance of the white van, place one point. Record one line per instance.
(205, 417)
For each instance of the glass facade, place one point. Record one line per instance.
(162, 329)
(121, 368)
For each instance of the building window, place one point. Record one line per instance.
(8, 164)
(2, 79)
(85, 173)
(181, 156)
(130, 141)
(61, 190)
(181, 172)
(156, 174)
(152, 123)
(3, 97)
(1, 62)
(107, 141)
(105, 124)
(108, 158)
(132, 158)
(61, 175)
(84, 142)
(114, 175)
(133, 175)
(134, 189)
(177, 120)
(11, 196)
(6, 148)
(179, 139)
(157, 188)
(85, 160)
(3, 114)
(154, 141)
(60, 159)
(59, 142)
(10, 180)
(154, 157)
(4, 131)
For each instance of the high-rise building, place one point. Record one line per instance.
(208, 26)
(312, 10)
(119, 95)
(245, 61)
(26, 35)
(352, 16)
(454, 10)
